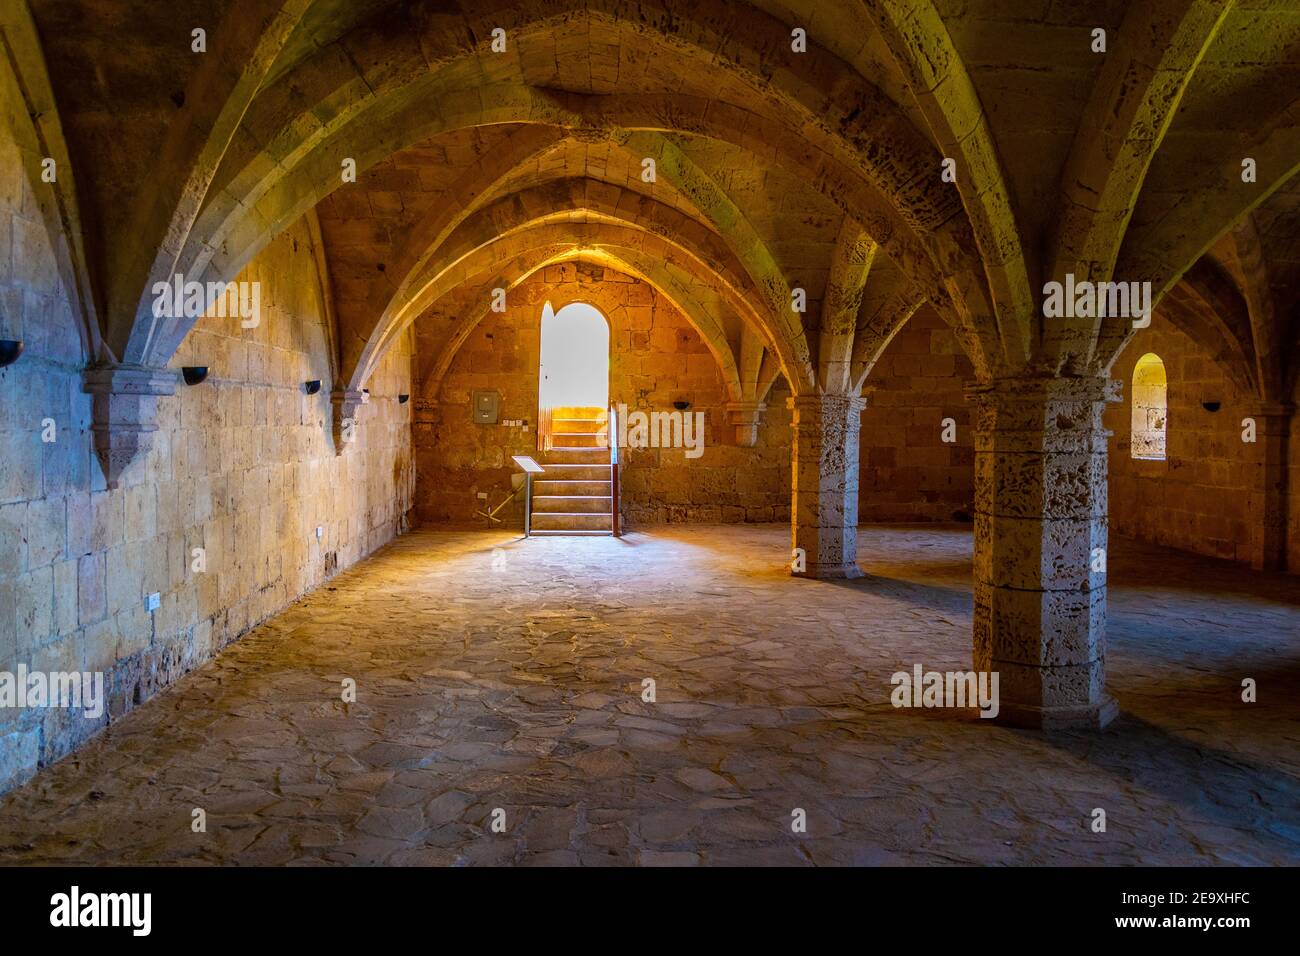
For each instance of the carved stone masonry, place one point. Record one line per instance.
(824, 505)
(124, 413)
(1041, 463)
(346, 402)
(745, 417)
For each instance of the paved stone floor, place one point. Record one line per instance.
(499, 673)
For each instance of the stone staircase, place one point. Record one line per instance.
(574, 495)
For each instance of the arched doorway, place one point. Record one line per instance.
(573, 373)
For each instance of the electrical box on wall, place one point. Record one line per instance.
(487, 405)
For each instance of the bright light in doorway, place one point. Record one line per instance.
(575, 357)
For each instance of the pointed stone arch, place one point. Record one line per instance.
(694, 250)
(1133, 103)
(918, 39)
(854, 141)
(245, 47)
(535, 251)
(38, 132)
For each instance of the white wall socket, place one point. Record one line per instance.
(152, 601)
(320, 532)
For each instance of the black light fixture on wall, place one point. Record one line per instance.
(10, 349)
(312, 387)
(403, 399)
(1211, 406)
(194, 374)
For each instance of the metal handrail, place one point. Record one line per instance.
(615, 525)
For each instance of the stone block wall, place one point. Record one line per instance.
(909, 473)
(657, 358)
(243, 466)
(1197, 498)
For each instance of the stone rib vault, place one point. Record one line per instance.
(908, 260)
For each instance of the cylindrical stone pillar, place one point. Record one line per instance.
(824, 505)
(1040, 548)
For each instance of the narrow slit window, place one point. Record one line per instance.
(1150, 408)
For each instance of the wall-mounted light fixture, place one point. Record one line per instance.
(10, 349)
(194, 374)
(312, 387)
(403, 399)
(681, 406)
(1211, 406)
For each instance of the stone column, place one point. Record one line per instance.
(745, 417)
(124, 413)
(1040, 548)
(1268, 487)
(824, 506)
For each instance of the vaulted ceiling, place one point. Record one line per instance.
(779, 173)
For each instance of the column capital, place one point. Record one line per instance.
(124, 413)
(745, 417)
(1032, 389)
(346, 402)
(128, 380)
(1032, 414)
(828, 402)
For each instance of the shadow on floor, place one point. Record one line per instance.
(949, 600)
(1225, 787)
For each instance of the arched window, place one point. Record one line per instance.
(1150, 408)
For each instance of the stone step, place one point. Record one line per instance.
(578, 411)
(572, 504)
(583, 440)
(567, 426)
(569, 534)
(600, 488)
(562, 521)
(576, 456)
(574, 472)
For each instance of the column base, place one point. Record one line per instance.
(1088, 717)
(830, 572)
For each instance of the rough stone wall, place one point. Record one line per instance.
(1196, 499)
(908, 472)
(242, 466)
(657, 358)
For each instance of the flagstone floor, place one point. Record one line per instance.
(500, 679)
